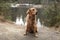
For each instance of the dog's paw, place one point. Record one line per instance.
(36, 36)
(25, 34)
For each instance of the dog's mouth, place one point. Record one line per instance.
(33, 13)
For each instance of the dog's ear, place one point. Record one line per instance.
(36, 13)
(28, 11)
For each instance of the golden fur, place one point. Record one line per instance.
(31, 26)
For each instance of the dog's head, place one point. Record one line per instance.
(32, 11)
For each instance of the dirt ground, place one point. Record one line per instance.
(16, 32)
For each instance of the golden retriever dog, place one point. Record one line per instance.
(31, 26)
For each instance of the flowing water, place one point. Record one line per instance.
(39, 23)
(19, 21)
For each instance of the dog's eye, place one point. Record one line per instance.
(33, 9)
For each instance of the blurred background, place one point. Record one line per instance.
(48, 10)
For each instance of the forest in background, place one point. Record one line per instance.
(49, 15)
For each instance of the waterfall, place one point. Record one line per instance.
(39, 23)
(19, 21)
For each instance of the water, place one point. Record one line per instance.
(39, 23)
(26, 5)
(19, 21)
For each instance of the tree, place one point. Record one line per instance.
(52, 13)
(5, 8)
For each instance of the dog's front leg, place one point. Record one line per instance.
(35, 34)
(35, 31)
(27, 30)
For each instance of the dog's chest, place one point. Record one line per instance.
(31, 20)
(32, 17)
